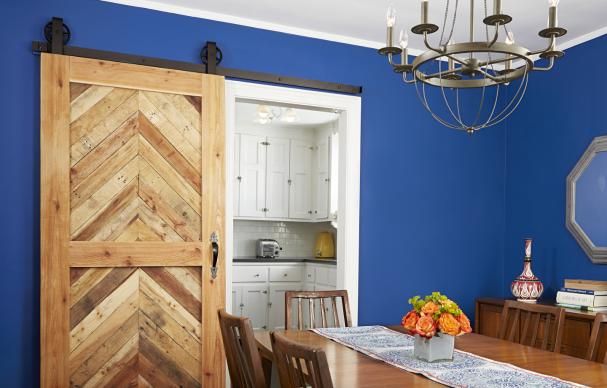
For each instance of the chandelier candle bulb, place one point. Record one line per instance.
(390, 20)
(552, 14)
(497, 7)
(404, 42)
(424, 11)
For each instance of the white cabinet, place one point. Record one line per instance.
(277, 178)
(237, 176)
(282, 179)
(258, 290)
(255, 304)
(252, 178)
(322, 177)
(237, 301)
(277, 303)
(300, 200)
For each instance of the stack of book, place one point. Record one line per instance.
(588, 295)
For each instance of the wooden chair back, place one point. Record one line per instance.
(325, 302)
(300, 366)
(244, 361)
(591, 355)
(530, 316)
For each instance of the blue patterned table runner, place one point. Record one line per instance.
(466, 369)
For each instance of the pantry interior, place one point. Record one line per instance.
(285, 195)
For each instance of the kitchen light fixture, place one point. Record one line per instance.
(266, 114)
(484, 66)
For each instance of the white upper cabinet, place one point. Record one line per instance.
(237, 176)
(277, 178)
(281, 178)
(322, 177)
(300, 195)
(252, 195)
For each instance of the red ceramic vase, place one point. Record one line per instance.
(527, 287)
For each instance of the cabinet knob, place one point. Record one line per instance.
(285, 275)
(239, 178)
(264, 327)
(257, 275)
(265, 292)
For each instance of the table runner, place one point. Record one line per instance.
(466, 370)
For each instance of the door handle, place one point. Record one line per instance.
(215, 247)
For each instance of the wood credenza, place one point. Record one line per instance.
(578, 325)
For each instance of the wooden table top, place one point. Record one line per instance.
(350, 368)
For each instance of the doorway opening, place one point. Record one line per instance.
(292, 195)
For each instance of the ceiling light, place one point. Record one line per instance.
(289, 115)
(484, 66)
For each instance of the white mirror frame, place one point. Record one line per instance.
(597, 255)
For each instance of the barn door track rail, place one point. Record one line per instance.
(58, 34)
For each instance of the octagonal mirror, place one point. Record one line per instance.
(587, 201)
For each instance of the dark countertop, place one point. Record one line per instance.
(253, 259)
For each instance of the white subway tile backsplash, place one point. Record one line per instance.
(297, 239)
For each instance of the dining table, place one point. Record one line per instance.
(350, 368)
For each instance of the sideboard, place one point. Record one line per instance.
(578, 325)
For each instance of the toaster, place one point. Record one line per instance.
(268, 248)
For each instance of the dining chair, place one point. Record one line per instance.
(553, 319)
(325, 302)
(599, 319)
(244, 361)
(300, 366)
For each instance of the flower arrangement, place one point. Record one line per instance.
(434, 314)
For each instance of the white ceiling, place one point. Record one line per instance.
(246, 113)
(362, 22)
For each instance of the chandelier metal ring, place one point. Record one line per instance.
(440, 79)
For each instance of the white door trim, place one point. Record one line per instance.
(349, 174)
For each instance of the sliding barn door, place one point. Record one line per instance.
(132, 189)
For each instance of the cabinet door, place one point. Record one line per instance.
(321, 210)
(237, 177)
(237, 300)
(300, 191)
(277, 303)
(253, 175)
(255, 305)
(277, 178)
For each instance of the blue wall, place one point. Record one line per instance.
(432, 204)
(561, 114)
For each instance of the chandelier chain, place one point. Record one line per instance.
(441, 41)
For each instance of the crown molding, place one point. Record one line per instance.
(221, 17)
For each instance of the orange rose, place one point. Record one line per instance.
(448, 324)
(464, 323)
(425, 326)
(430, 308)
(410, 320)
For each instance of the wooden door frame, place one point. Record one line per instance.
(349, 173)
(59, 253)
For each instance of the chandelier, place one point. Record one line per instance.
(453, 70)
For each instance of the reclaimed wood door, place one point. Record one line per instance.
(132, 188)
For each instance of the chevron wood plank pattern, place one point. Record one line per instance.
(136, 327)
(135, 165)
